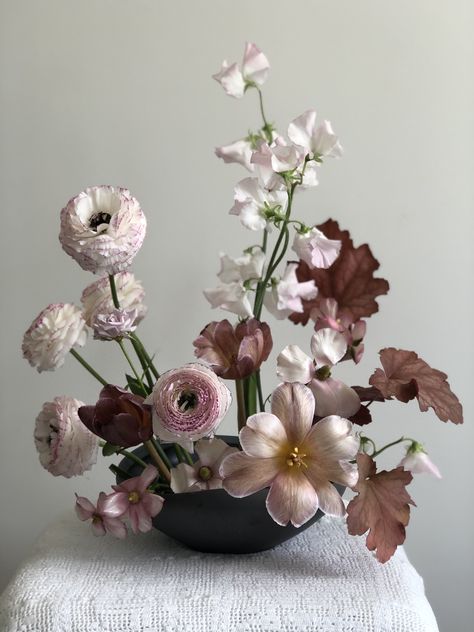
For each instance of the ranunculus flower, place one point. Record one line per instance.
(97, 297)
(204, 474)
(103, 228)
(53, 333)
(119, 417)
(188, 404)
(316, 249)
(252, 203)
(317, 141)
(285, 296)
(103, 519)
(115, 324)
(417, 461)
(234, 353)
(254, 70)
(297, 460)
(132, 499)
(240, 151)
(65, 446)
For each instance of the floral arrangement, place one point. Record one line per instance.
(310, 433)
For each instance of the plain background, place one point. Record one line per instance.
(120, 92)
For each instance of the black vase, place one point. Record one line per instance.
(213, 521)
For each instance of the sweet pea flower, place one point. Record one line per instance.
(204, 474)
(53, 333)
(245, 268)
(254, 71)
(132, 499)
(65, 446)
(97, 297)
(316, 249)
(317, 141)
(102, 228)
(231, 297)
(272, 160)
(104, 519)
(115, 324)
(327, 315)
(299, 461)
(240, 152)
(252, 203)
(285, 295)
(417, 461)
(188, 404)
(234, 353)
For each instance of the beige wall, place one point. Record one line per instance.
(115, 91)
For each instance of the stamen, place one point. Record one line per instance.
(187, 401)
(133, 498)
(295, 458)
(98, 219)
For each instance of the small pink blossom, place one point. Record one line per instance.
(252, 203)
(104, 519)
(417, 461)
(327, 315)
(317, 141)
(115, 324)
(231, 297)
(285, 295)
(240, 152)
(272, 160)
(316, 249)
(254, 71)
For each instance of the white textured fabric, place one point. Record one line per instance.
(322, 580)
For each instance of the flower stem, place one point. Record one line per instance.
(261, 403)
(389, 445)
(161, 452)
(130, 455)
(240, 394)
(267, 129)
(132, 366)
(113, 289)
(88, 367)
(152, 451)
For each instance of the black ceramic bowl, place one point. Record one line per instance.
(215, 522)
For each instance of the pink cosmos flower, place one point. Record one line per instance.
(417, 461)
(102, 228)
(299, 461)
(133, 500)
(316, 249)
(252, 203)
(65, 446)
(317, 141)
(115, 324)
(204, 474)
(53, 333)
(104, 519)
(285, 296)
(254, 71)
(188, 404)
(97, 297)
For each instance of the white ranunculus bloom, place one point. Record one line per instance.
(53, 333)
(316, 249)
(317, 141)
(103, 228)
(251, 201)
(286, 295)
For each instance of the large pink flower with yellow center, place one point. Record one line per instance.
(299, 461)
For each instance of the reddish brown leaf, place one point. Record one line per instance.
(350, 280)
(382, 506)
(368, 394)
(362, 417)
(407, 376)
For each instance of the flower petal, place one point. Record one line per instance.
(116, 527)
(244, 475)
(263, 436)
(84, 508)
(328, 347)
(293, 404)
(333, 397)
(183, 476)
(292, 498)
(293, 365)
(330, 500)
(210, 451)
(114, 505)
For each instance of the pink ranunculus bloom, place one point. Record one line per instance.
(285, 296)
(299, 461)
(102, 228)
(316, 249)
(317, 141)
(252, 202)
(240, 152)
(204, 474)
(65, 446)
(254, 70)
(103, 519)
(97, 297)
(188, 404)
(417, 461)
(115, 324)
(53, 333)
(132, 499)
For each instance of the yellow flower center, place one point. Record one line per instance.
(296, 457)
(133, 498)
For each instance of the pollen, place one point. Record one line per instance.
(133, 498)
(296, 458)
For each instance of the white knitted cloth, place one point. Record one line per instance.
(322, 580)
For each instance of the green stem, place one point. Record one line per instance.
(266, 126)
(88, 367)
(132, 366)
(240, 394)
(130, 455)
(113, 289)
(147, 361)
(261, 403)
(118, 471)
(161, 452)
(152, 451)
(389, 445)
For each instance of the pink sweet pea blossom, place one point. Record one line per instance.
(299, 461)
(252, 203)
(285, 295)
(317, 141)
(272, 160)
(204, 474)
(254, 71)
(104, 519)
(133, 500)
(316, 249)
(327, 315)
(240, 151)
(417, 461)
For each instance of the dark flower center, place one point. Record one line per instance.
(187, 401)
(205, 473)
(98, 219)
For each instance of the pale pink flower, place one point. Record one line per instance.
(240, 152)
(53, 333)
(188, 404)
(327, 316)
(204, 474)
(97, 297)
(252, 203)
(299, 461)
(132, 499)
(103, 520)
(316, 249)
(254, 71)
(285, 295)
(115, 324)
(231, 297)
(65, 446)
(103, 228)
(417, 461)
(333, 397)
(245, 268)
(317, 141)
(272, 160)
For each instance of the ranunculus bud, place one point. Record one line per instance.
(234, 353)
(188, 404)
(115, 324)
(119, 417)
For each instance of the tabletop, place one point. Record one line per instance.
(322, 580)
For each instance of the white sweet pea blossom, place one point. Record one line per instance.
(254, 71)
(245, 268)
(418, 462)
(271, 160)
(232, 297)
(240, 151)
(316, 249)
(251, 201)
(317, 141)
(286, 295)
